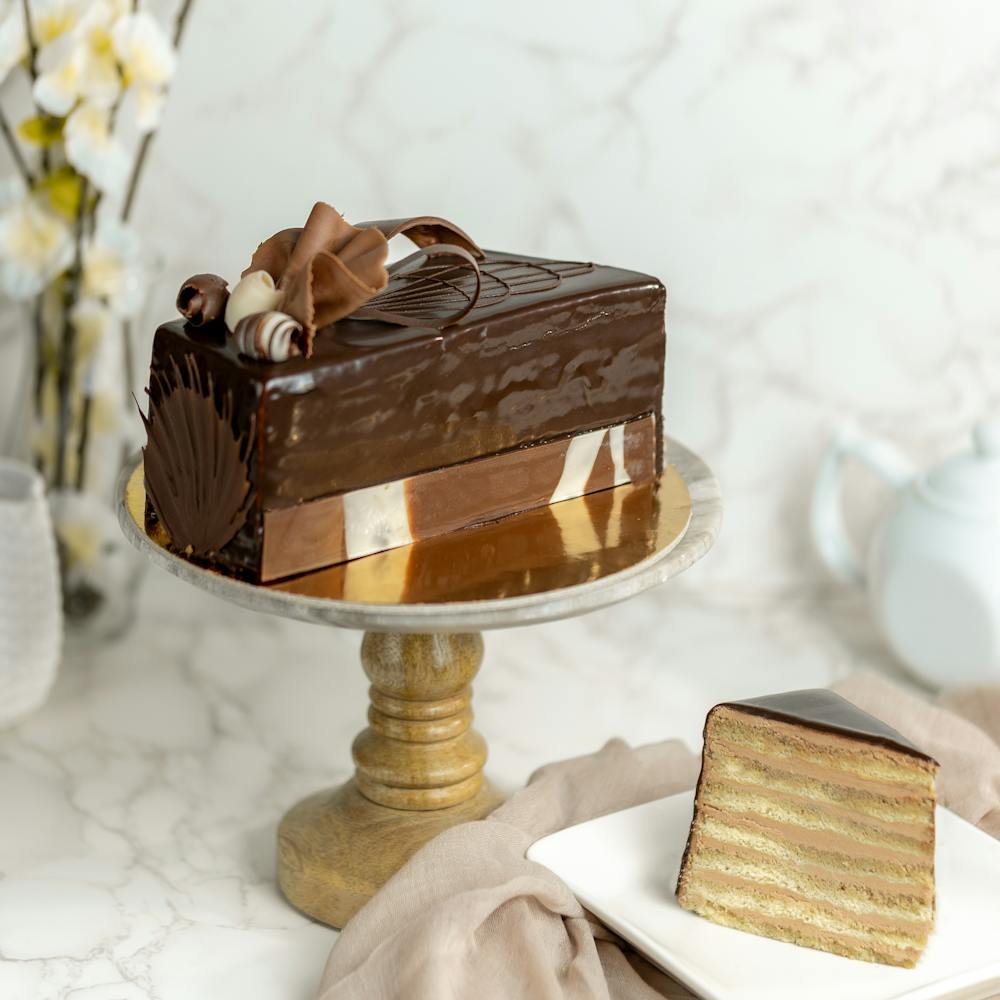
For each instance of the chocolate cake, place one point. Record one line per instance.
(814, 824)
(329, 406)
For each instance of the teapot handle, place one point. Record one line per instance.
(827, 520)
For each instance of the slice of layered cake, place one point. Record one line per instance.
(813, 824)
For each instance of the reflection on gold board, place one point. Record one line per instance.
(545, 549)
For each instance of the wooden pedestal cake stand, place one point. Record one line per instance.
(419, 764)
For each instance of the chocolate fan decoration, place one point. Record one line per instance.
(195, 463)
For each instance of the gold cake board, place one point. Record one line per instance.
(419, 763)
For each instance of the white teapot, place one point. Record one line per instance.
(933, 570)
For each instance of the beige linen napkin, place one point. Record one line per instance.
(469, 918)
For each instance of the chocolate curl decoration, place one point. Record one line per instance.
(426, 230)
(326, 270)
(268, 336)
(202, 298)
(435, 287)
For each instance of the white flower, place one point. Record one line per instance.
(50, 19)
(99, 78)
(58, 85)
(13, 40)
(35, 246)
(112, 268)
(147, 63)
(92, 320)
(83, 523)
(80, 64)
(144, 51)
(92, 148)
(149, 109)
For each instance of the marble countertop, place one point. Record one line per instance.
(137, 848)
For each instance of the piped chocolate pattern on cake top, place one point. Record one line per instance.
(435, 290)
(300, 280)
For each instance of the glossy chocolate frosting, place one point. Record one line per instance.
(574, 348)
(825, 709)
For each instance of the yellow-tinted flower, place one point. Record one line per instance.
(51, 19)
(13, 39)
(92, 321)
(80, 542)
(57, 88)
(112, 267)
(79, 63)
(105, 413)
(147, 63)
(35, 246)
(83, 523)
(92, 148)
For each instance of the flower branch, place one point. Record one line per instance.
(128, 354)
(65, 246)
(147, 139)
(32, 63)
(15, 150)
(68, 343)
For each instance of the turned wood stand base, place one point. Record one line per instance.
(419, 771)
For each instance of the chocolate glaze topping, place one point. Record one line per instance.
(825, 709)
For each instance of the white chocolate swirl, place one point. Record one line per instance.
(254, 293)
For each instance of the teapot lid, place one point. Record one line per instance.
(969, 483)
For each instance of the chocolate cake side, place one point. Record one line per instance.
(548, 351)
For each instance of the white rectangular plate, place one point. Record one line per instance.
(623, 868)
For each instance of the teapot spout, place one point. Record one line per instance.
(827, 520)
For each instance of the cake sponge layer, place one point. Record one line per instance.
(866, 948)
